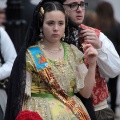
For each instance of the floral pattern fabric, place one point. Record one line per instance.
(67, 76)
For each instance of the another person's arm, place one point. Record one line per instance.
(8, 53)
(108, 58)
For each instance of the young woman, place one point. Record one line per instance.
(48, 72)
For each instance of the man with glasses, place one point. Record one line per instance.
(108, 63)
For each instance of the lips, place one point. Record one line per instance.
(79, 17)
(55, 35)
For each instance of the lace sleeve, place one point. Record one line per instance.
(77, 54)
(29, 63)
(29, 69)
(80, 67)
(82, 71)
(28, 84)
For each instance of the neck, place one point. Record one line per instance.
(51, 45)
(52, 51)
(72, 24)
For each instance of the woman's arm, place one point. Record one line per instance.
(91, 55)
(89, 82)
(27, 88)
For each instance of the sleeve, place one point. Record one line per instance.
(29, 63)
(77, 54)
(29, 70)
(108, 58)
(28, 84)
(80, 68)
(8, 53)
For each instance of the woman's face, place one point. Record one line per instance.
(54, 26)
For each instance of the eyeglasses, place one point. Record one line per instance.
(75, 5)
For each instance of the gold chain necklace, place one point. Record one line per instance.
(51, 51)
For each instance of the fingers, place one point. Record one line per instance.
(86, 46)
(89, 50)
(88, 35)
(91, 37)
(87, 32)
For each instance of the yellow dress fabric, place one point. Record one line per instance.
(66, 73)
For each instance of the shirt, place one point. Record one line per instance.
(8, 53)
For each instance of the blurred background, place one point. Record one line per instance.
(16, 16)
(19, 16)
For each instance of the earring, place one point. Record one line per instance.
(63, 37)
(41, 34)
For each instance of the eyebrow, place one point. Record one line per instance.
(54, 21)
(74, 3)
(70, 3)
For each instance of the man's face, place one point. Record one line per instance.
(75, 13)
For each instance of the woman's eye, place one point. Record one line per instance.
(50, 23)
(61, 23)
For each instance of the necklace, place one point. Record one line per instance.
(51, 51)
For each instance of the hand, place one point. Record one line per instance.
(91, 37)
(90, 53)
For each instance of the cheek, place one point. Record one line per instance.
(46, 30)
(62, 31)
(72, 15)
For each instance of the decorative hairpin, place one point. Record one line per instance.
(42, 10)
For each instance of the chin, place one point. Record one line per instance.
(78, 22)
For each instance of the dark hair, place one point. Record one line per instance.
(48, 7)
(17, 82)
(105, 15)
(104, 9)
(38, 17)
(90, 18)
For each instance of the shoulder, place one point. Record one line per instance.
(76, 52)
(74, 48)
(70, 47)
(33, 48)
(2, 30)
(4, 35)
(32, 51)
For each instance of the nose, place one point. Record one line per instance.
(79, 8)
(55, 28)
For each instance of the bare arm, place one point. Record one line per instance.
(91, 55)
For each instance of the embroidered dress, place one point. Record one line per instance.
(66, 73)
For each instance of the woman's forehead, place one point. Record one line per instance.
(57, 14)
